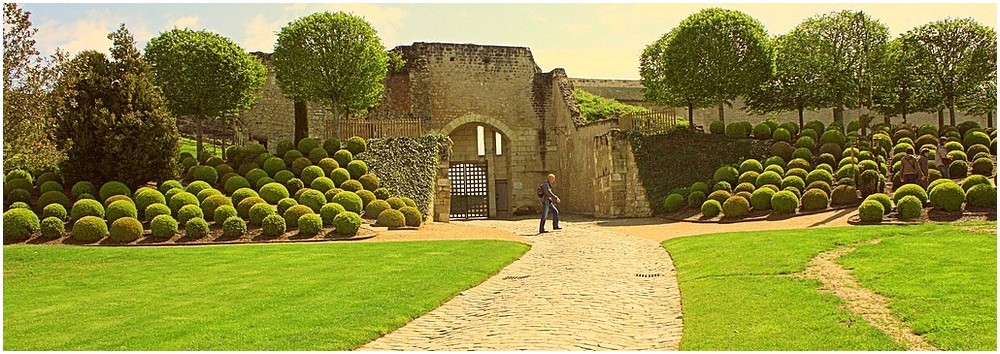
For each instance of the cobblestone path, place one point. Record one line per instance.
(579, 288)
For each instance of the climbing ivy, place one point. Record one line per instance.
(407, 166)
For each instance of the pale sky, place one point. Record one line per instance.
(588, 40)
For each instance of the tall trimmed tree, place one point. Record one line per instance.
(957, 56)
(982, 101)
(336, 59)
(795, 81)
(204, 75)
(716, 55)
(654, 79)
(899, 90)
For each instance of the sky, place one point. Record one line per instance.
(588, 40)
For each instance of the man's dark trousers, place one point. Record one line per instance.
(546, 206)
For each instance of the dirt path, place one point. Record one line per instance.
(579, 288)
(871, 306)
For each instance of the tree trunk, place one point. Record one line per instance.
(801, 118)
(336, 121)
(904, 115)
(989, 119)
(722, 111)
(951, 109)
(691, 115)
(838, 110)
(940, 119)
(198, 128)
(301, 122)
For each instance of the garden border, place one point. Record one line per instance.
(761, 218)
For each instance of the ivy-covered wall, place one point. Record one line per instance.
(407, 166)
(682, 157)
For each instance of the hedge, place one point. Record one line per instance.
(408, 166)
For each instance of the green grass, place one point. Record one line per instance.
(737, 293)
(952, 303)
(191, 146)
(250, 297)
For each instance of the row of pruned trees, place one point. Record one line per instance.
(841, 60)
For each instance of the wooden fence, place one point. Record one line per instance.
(648, 122)
(369, 129)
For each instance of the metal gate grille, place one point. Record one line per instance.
(469, 195)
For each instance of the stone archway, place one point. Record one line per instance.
(479, 167)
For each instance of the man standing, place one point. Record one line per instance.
(549, 201)
(910, 169)
(941, 157)
(925, 154)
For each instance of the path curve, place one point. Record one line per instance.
(579, 288)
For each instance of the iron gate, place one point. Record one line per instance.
(469, 194)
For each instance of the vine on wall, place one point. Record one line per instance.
(407, 166)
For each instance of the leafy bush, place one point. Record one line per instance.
(815, 199)
(89, 229)
(234, 227)
(283, 176)
(375, 208)
(258, 212)
(120, 209)
(19, 224)
(768, 178)
(672, 202)
(833, 136)
(273, 192)
(909, 189)
(300, 164)
(794, 182)
(751, 165)
(17, 183)
(719, 196)
(356, 145)
(983, 166)
(126, 229)
(256, 174)
(51, 227)
(396, 202)
(799, 163)
(805, 142)
(871, 211)
(291, 156)
(717, 127)
(196, 187)
(973, 180)
(762, 131)
(49, 186)
(313, 199)
(696, 199)
(328, 165)
(958, 169)
(412, 216)
(20, 195)
(819, 175)
(205, 173)
(116, 198)
(976, 137)
(113, 188)
(310, 224)
(322, 184)
(329, 212)
(317, 154)
(310, 173)
(744, 187)
(272, 226)
(797, 172)
(783, 150)
(18, 173)
(86, 207)
(369, 181)
(391, 218)
(748, 177)
(909, 207)
(196, 228)
(307, 144)
(408, 166)
(347, 223)
(802, 153)
(182, 199)
(947, 197)
(189, 211)
(331, 145)
(223, 212)
(352, 186)
(343, 157)
(981, 195)
(711, 208)
(761, 199)
(775, 168)
(243, 208)
(154, 210)
(844, 195)
(293, 214)
(726, 173)
(54, 210)
(144, 197)
(883, 199)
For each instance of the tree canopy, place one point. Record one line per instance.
(336, 59)
(899, 90)
(204, 75)
(794, 86)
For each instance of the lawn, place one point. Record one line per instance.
(191, 146)
(250, 297)
(738, 295)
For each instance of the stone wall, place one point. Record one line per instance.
(619, 191)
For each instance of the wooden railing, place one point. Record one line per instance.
(369, 129)
(648, 122)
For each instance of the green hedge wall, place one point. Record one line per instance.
(407, 166)
(682, 157)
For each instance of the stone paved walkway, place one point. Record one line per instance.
(575, 289)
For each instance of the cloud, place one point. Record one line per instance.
(184, 22)
(387, 20)
(261, 34)
(88, 33)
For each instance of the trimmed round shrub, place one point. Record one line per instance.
(958, 156)
(357, 168)
(799, 163)
(53, 197)
(774, 160)
(981, 196)
(23, 196)
(783, 150)
(317, 154)
(273, 192)
(909, 189)
(375, 208)
(797, 172)
(883, 199)
(711, 208)
(366, 196)
(748, 177)
(126, 230)
(224, 212)
(973, 180)
(18, 173)
(189, 211)
(331, 145)
(196, 187)
(286, 203)
(805, 142)
(672, 202)
(781, 134)
(737, 130)
(154, 210)
(49, 177)
(696, 199)
(144, 197)
(234, 227)
(352, 186)
(794, 182)
(719, 196)
(408, 202)
(116, 198)
(349, 200)
(300, 164)
(235, 183)
(272, 226)
(761, 199)
(258, 212)
(744, 187)
(909, 207)
(751, 165)
(19, 205)
(819, 175)
(293, 214)
(212, 203)
(329, 211)
(391, 218)
(51, 227)
(954, 146)
(224, 169)
(347, 223)
(313, 199)
(833, 136)
(382, 193)
(284, 146)
(871, 211)
(727, 174)
(762, 131)
(17, 183)
(328, 165)
(291, 156)
(814, 125)
(802, 153)
(54, 210)
(255, 175)
(196, 228)
(983, 166)
(958, 169)
(356, 145)
(848, 171)
(114, 188)
(283, 176)
(307, 144)
(815, 199)
(243, 208)
(243, 193)
(396, 202)
(745, 195)
(205, 193)
(775, 168)
(844, 195)
(19, 224)
(310, 173)
(370, 181)
(343, 157)
(120, 209)
(340, 175)
(205, 173)
(768, 178)
(717, 127)
(86, 207)
(947, 197)
(976, 149)
(310, 224)
(412, 216)
(696, 186)
(976, 137)
(49, 186)
(87, 229)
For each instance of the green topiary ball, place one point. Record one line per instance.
(126, 230)
(322, 184)
(310, 173)
(236, 183)
(196, 187)
(735, 207)
(696, 187)
(375, 208)
(273, 165)
(340, 175)
(775, 168)
(313, 199)
(737, 130)
(49, 186)
(20, 205)
(283, 176)
(272, 226)
(89, 229)
(983, 166)
(116, 198)
(815, 199)
(883, 199)
(243, 208)
(349, 200)
(370, 181)
(343, 157)
(189, 211)
(19, 224)
(286, 203)
(120, 209)
(408, 201)
(17, 183)
(723, 186)
(799, 163)
(366, 196)
(54, 210)
(317, 154)
(53, 197)
(224, 212)
(234, 227)
(976, 137)
(412, 216)
(871, 211)
(310, 224)
(719, 196)
(300, 164)
(256, 174)
(347, 223)
(744, 187)
(973, 180)
(768, 178)
(328, 165)
(762, 131)
(284, 146)
(909, 207)
(958, 169)
(51, 228)
(844, 195)
(909, 189)
(291, 156)
(154, 210)
(144, 197)
(212, 203)
(86, 207)
(293, 213)
(307, 144)
(726, 173)
(329, 211)
(751, 165)
(717, 127)
(833, 136)
(23, 196)
(672, 202)
(947, 197)
(696, 199)
(273, 192)
(18, 173)
(794, 182)
(819, 175)
(196, 228)
(260, 211)
(711, 208)
(981, 196)
(391, 218)
(761, 199)
(352, 186)
(331, 145)
(357, 168)
(205, 173)
(113, 188)
(395, 202)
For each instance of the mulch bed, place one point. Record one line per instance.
(932, 215)
(694, 215)
(214, 237)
